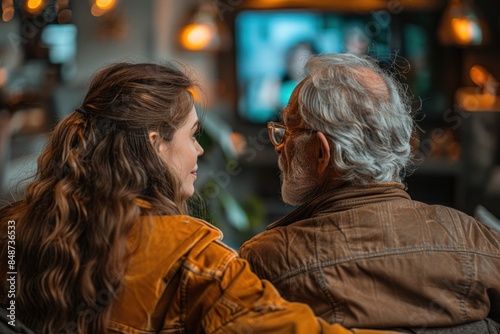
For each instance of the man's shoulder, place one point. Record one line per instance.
(458, 229)
(266, 242)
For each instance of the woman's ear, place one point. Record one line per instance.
(159, 145)
(153, 138)
(324, 152)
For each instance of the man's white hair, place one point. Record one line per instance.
(364, 112)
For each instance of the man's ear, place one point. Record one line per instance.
(324, 152)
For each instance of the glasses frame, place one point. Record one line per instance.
(271, 131)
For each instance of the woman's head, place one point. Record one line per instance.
(143, 104)
(140, 96)
(132, 138)
(129, 116)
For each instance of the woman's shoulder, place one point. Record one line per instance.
(201, 243)
(175, 235)
(167, 243)
(183, 225)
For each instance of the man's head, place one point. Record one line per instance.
(348, 122)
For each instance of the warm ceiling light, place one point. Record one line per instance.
(105, 4)
(7, 14)
(101, 7)
(461, 25)
(203, 32)
(34, 6)
(464, 30)
(197, 36)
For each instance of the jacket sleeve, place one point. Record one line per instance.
(239, 302)
(258, 250)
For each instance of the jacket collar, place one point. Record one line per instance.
(343, 198)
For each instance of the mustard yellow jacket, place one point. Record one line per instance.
(182, 279)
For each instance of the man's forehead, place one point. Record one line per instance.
(291, 112)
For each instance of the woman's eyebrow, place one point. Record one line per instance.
(197, 124)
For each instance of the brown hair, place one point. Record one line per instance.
(73, 223)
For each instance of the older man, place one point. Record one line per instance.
(357, 236)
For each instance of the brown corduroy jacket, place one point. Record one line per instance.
(370, 257)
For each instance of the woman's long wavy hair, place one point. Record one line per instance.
(72, 225)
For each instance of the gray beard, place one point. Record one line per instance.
(298, 182)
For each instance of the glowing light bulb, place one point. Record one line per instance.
(197, 36)
(34, 6)
(105, 4)
(463, 29)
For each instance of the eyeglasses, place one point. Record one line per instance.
(278, 131)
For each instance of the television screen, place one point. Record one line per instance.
(61, 39)
(272, 47)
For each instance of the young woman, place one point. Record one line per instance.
(103, 243)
